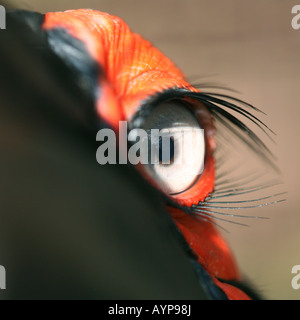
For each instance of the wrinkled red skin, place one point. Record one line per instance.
(135, 70)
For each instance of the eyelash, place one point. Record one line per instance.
(209, 199)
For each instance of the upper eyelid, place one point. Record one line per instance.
(154, 101)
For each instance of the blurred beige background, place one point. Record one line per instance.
(248, 45)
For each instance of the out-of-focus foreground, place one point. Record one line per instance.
(249, 46)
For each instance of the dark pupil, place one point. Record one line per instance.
(168, 154)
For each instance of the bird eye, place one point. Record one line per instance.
(176, 147)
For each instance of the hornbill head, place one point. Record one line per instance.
(77, 226)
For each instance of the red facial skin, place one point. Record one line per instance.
(134, 71)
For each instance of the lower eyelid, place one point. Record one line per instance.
(201, 188)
